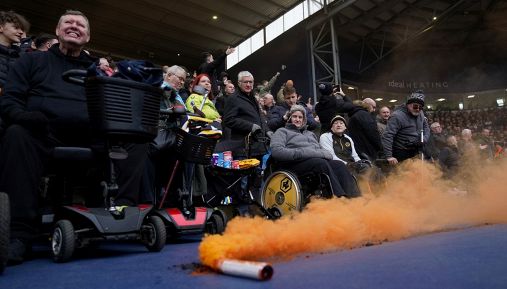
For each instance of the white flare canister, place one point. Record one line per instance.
(248, 269)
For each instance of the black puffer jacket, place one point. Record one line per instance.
(7, 57)
(362, 128)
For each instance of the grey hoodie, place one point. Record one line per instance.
(290, 143)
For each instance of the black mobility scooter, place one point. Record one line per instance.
(121, 112)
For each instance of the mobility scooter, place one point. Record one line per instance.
(121, 111)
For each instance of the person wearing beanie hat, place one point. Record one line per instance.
(407, 130)
(296, 148)
(325, 88)
(416, 97)
(338, 142)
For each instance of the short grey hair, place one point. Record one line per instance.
(466, 131)
(242, 74)
(435, 124)
(175, 69)
(76, 13)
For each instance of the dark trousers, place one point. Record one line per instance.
(402, 155)
(342, 181)
(24, 159)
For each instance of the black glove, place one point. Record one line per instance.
(35, 121)
(361, 166)
(256, 132)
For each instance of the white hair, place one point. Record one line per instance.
(175, 69)
(242, 74)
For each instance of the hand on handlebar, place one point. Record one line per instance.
(392, 160)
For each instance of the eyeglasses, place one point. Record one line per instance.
(417, 106)
(182, 79)
(247, 81)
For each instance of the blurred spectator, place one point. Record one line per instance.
(331, 102)
(224, 94)
(44, 41)
(485, 144)
(210, 66)
(12, 28)
(371, 105)
(265, 86)
(436, 142)
(279, 115)
(363, 130)
(105, 67)
(449, 156)
(382, 117)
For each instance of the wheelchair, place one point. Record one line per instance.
(270, 192)
(120, 111)
(285, 193)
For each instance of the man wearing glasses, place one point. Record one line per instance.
(242, 113)
(407, 130)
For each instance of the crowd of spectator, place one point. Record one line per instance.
(353, 133)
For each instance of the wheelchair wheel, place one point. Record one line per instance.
(154, 234)
(215, 225)
(63, 241)
(5, 217)
(283, 191)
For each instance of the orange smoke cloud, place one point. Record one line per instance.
(415, 201)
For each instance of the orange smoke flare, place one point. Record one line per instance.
(416, 201)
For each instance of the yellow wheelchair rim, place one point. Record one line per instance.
(282, 190)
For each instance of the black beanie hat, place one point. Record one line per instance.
(325, 88)
(417, 97)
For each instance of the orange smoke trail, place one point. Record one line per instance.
(415, 201)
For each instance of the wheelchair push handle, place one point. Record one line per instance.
(75, 76)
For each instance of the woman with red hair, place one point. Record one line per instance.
(195, 100)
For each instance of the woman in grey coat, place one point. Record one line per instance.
(297, 149)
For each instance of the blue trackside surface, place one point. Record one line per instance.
(466, 258)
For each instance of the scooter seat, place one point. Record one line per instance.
(72, 153)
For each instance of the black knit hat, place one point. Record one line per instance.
(325, 88)
(417, 97)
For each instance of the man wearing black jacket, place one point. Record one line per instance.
(210, 65)
(43, 111)
(362, 128)
(332, 102)
(242, 113)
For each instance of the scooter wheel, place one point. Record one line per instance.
(5, 216)
(63, 241)
(154, 234)
(215, 225)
